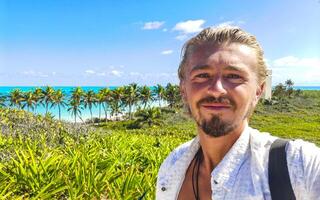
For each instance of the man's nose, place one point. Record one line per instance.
(217, 87)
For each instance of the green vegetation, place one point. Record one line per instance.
(43, 158)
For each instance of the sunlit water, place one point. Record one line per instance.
(65, 115)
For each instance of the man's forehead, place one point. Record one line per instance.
(228, 54)
(208, 48)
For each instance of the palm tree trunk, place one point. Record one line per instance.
(47, 108)
(106, 112)
(91, 114)
(99, 111)
(59, 112)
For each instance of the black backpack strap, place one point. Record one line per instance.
(279, 179)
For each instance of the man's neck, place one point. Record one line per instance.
(215, 148)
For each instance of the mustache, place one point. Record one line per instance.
(221, 99)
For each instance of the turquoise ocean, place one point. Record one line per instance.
(65, 115)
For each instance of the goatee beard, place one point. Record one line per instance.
(215, 127)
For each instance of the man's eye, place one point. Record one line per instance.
(202, 76)
(233, 76)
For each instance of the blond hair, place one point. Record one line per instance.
(223, 35)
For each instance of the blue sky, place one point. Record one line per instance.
(110, 43)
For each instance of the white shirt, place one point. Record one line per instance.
(243, 172)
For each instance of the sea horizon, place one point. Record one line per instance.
(65, 115)
(7, 89)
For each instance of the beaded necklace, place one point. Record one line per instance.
(195, 173)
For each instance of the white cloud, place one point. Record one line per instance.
(185, 28)
(153, 25)
(166, 52)
(89, 71)
(107, 71)
(44, 75)
(291, 61)
(226, 23)
(164, 30)
(230, 23)
(35, 74)
(190, 26)
(116, 73)
(181, 37)
(303, 71)
(167, 74)
(101, 74)
(29, 72)
(152, 76)
(134, 74)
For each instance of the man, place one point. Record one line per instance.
(222, 76)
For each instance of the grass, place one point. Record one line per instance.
(46, 159)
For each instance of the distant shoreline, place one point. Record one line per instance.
(23, 88)
(5, 90)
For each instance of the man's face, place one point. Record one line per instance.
(220, 86)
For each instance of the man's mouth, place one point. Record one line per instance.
(215, 106)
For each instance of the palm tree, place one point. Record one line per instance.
(75, 103)
(289, 86)
(116, 102)
(16, 98)
(89, 100)
(160, 92)
(149, 116)
(106, 93)
(38, 97)
(279, 91)
(100, 101)
(76, 94)
(172, 95)
(75, 109)
(130, 96)
(3, 101)
(48, 96)
(58, 100)
(29, 100)
(289, 83)
(145, 95)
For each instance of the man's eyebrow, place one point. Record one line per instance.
(229, 67)
(200, 67)
(234, 68)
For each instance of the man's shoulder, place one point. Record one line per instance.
(302, 156)
(178, 153)
(303, 151)
(172, 169)
(260, 139)
(295, 146)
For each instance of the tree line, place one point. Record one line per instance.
(109, 101)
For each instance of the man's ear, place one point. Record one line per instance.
(260, 91)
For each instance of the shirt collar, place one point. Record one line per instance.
(226, 171)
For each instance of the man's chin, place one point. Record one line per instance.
(216, 127)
